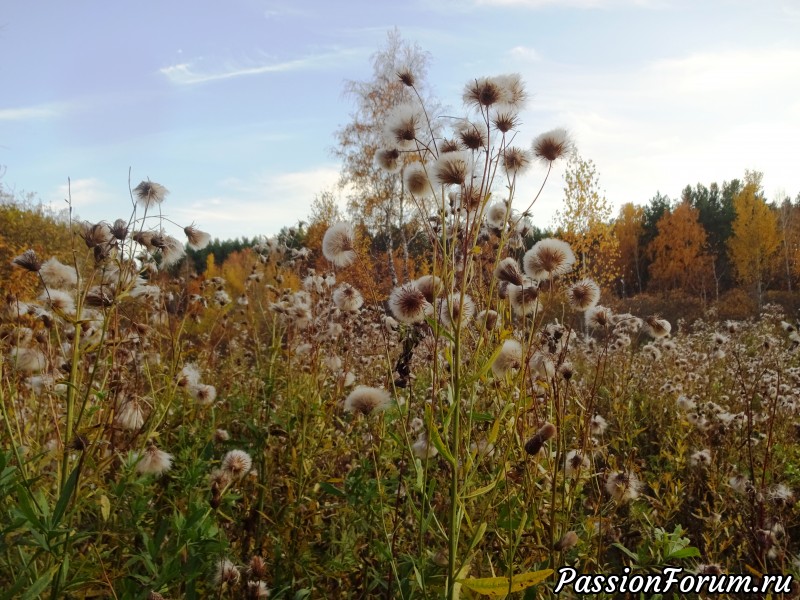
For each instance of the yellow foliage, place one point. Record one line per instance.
(628, 229)
(679, 252)
(27, 227)
(585, 223)
(755, 239)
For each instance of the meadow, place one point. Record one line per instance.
(301, 433)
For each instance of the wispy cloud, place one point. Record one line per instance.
(189, 73)
(524, 54)
(43, 111)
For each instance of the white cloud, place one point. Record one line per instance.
(88, 192)
(189, 73)
(702, 117)
(263, 204)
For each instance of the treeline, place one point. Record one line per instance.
(712, 243)
(709, 241)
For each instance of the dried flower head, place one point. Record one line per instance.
(505, 117)
(583, 295)
(524, 298)
(227, 573)
(58, 275)
(509, 357)
(657, 327)
(389, 160)
(189, 375)
(516, 161)
(197, 239)
(598, 317)
(483, 92)
(347, 298)
(537, 442)
(513, 89)
(598, 425)
(172, 251)
(204, 394)
(456, 309)
(552, 145)
(497, 214)
(148, 193)
(452, 168)
(403, 127)
(508, 270)
(449, 145)
(473, 136)
(257, 569)
(130, 415)
(547, 258)
(28, 261)
(256, 590)
(96, 235)
(568, 541)
(623, 486)
(575, 463)
(408, 304)
(416, 179)
(338, 245)
(406, 76)
(487, 319)
(144, 238)
(423, 448)
(28, 360)
(119, 229)
(701, 458)
(431, 287)
(237, 463)
(366, 400)
(58, 301)
(153, 461)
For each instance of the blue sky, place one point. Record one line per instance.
(233, 106)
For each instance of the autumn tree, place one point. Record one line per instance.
(377, 199)
(715, 207)
(679, 252)
(628, 229)
(755, 239)
(585, 222)
(789, 226)
(324, 213)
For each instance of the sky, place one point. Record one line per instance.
(234, 106)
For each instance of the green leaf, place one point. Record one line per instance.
(331, 489)
(40, 584)
(683, 553)
(476, 539)
(66, 494)
(497, 587)
(485, 368)
(482, 490)
(632, 555)
(105, 507)
(433, 435)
